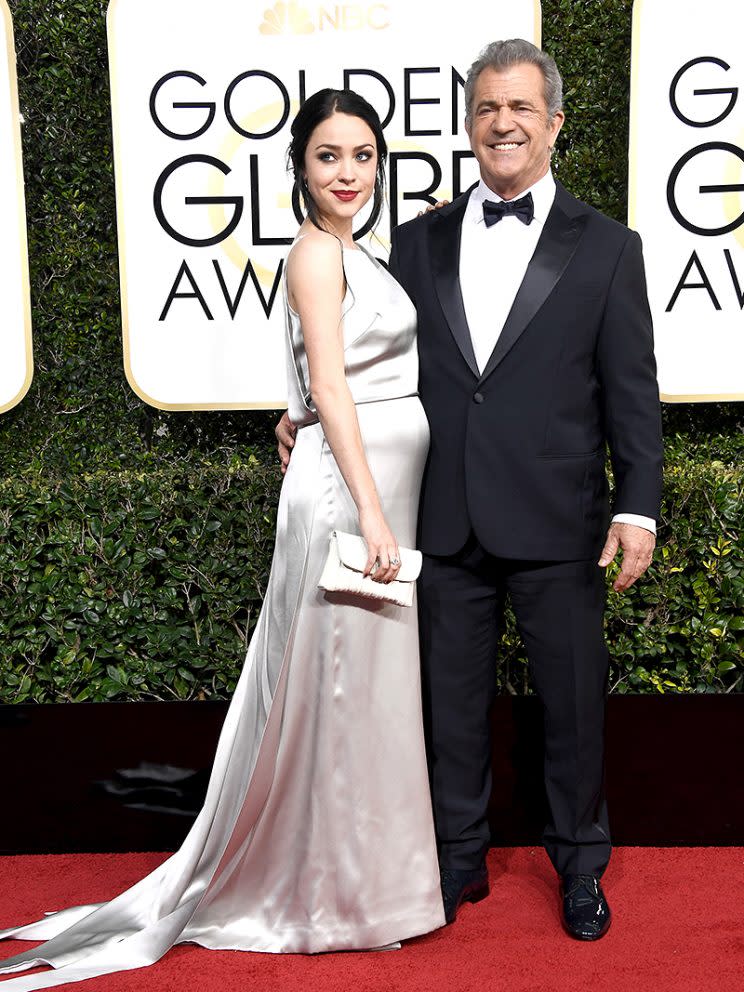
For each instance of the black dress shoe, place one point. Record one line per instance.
(586, 914)
(459, 886)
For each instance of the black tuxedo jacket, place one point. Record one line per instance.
(518, 452)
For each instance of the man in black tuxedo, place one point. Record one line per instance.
(536, 354)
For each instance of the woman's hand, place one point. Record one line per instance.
(433, 206)
(382, 547)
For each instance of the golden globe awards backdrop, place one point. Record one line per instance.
(203, 95)
(16, 357)
(687, 190)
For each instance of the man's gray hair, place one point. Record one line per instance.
(501, 55)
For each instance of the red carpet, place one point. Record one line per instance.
(678, 927)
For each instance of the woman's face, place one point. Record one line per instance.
(341, 166)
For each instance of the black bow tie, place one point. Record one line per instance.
(524, 208)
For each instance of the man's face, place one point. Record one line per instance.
(510, 131)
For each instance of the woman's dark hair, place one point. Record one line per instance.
(316, 109)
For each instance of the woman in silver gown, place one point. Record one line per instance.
(316, 833)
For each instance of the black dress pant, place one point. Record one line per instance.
(559, 609)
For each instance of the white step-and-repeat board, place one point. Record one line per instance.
(687, 190)
(16, 355)
(203, 95)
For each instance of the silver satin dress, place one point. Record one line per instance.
(316, 833)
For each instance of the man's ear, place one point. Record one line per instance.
(555, 127)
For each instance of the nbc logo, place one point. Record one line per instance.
(286, 18)
(292, 18)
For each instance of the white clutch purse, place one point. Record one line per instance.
(347, 556)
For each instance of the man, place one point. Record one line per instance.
(535, 346)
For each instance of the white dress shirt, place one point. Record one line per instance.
(501, 252)
(499, 255)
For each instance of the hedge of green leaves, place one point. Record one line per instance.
(135, 544)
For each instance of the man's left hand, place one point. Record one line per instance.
(637, 545)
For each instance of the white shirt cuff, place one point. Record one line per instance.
(648, 523)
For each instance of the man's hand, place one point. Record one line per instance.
(285, 432)
(637, 545)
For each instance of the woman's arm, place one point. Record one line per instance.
(315, 282)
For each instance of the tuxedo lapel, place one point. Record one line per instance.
(445, 257)
(555, 249)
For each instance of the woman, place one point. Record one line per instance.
(316, 833)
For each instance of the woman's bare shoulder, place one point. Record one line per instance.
(315, 250)
(315, 268)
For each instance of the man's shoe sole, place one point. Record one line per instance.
(581, 936)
